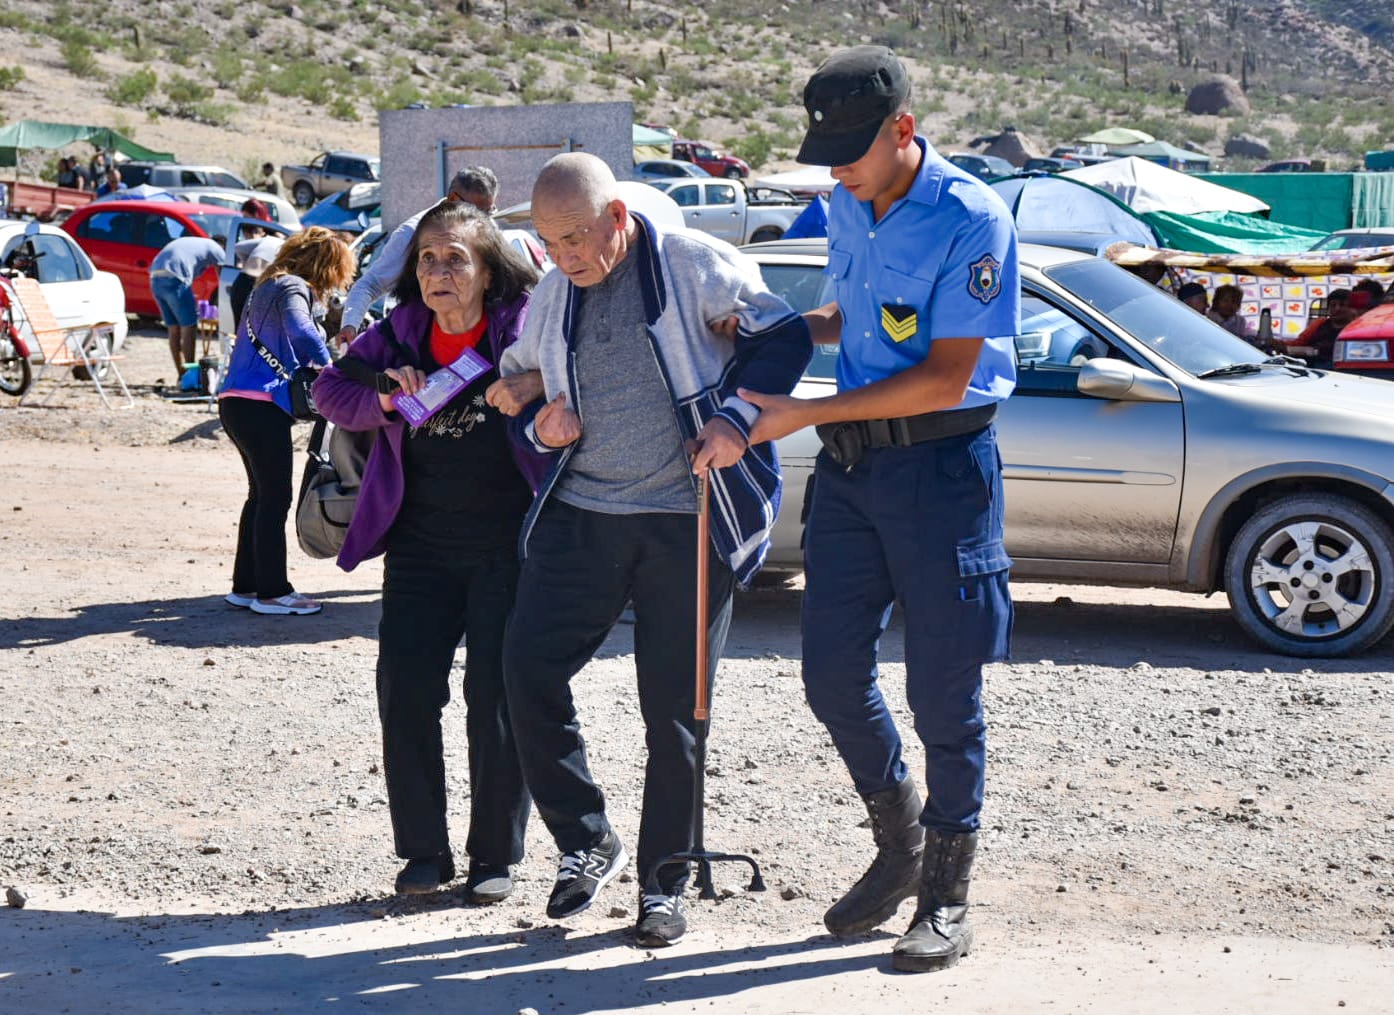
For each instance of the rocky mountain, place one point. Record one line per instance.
(238, 81)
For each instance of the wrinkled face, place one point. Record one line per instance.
(583, 245)
(880, 168)
(452, 277)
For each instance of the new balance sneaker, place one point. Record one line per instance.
(662, 921)
(291, 604)
(583, 873)
(425, 875)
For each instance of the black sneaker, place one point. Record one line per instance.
(583, 873)
(662, 921)
(486, 883)
(423, 876)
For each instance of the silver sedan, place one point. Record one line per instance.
(1146, 446)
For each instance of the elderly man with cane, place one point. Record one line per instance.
(636, 381)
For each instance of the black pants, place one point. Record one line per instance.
(581, 569)
(261, 433)
(430, 599)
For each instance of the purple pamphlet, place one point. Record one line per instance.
(441, 387)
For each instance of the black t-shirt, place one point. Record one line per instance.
(463, 490)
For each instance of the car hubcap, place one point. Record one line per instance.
(1313, 579)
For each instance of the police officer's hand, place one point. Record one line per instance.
(509, 395)
(410, 381)
(780, 415)
(717, 445)
(555, 425)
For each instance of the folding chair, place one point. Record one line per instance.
(64, 349)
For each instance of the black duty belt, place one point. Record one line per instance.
(845, 442)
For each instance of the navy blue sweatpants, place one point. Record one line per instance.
(921, 526)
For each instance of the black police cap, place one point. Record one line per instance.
(848, 98)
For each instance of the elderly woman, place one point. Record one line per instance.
(255, 407)
(444, 499)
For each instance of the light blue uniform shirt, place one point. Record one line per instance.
(941, 263)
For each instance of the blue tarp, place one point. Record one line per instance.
(812, 221)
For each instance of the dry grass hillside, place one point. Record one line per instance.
(236, 82)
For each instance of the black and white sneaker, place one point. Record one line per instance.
(583, 873)
(662, 921)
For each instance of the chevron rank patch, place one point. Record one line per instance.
(899, 321)
(985, 279)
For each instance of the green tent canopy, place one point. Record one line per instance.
(1229, 232)
(26, 134)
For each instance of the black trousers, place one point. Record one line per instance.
(431, 598)
(261, 433)
(581, 569)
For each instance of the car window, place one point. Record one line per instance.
(134, 176)
(703, 153)
(226, 180)
(1051, 347)
(57, 260)
(108, 227)
(1155, 318)
(213, 224)
(375, 167)
(686, 197)
(721, 193)
(192, 178)
(336, 165)
(155, 230)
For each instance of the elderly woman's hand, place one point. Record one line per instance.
(510, 395)
(409, 379)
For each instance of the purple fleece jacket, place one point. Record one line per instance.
(353, 406)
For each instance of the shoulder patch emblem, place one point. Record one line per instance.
(985, 279)
(901, 322)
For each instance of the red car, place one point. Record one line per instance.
(1365, 345)
(123, 237)
(714, 162)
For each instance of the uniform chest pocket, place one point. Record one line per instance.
(903, 304)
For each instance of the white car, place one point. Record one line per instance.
(78, 293)
(282, 211)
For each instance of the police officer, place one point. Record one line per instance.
(907, 500)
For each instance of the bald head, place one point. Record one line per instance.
(580, 218)
(574, 181)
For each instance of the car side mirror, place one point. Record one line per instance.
(1121, 381)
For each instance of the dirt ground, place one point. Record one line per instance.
(191, 802)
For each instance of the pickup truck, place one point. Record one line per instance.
(45, 203)
(714, 162)
(329, 173)
(724, 209)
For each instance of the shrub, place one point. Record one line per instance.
(79, 59)
(343, 108)
(10, 77)
(227, 68)
(754, 147)
(184, 91)
(133, 89)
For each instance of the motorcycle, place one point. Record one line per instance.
(16, 374)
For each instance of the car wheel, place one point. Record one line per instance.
(1313, 576)
(303, 193)
(733, 173)
(766, 234)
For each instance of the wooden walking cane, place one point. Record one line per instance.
(701, 714)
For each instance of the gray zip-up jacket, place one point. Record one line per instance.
(688, 278)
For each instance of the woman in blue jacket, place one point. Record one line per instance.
(254, 406)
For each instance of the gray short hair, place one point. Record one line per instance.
(476, 180)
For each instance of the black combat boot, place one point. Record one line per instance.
(940, 933)
(894, 873)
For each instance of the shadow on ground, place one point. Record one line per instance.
(345, 956)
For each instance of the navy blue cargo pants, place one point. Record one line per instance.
(921, 526)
